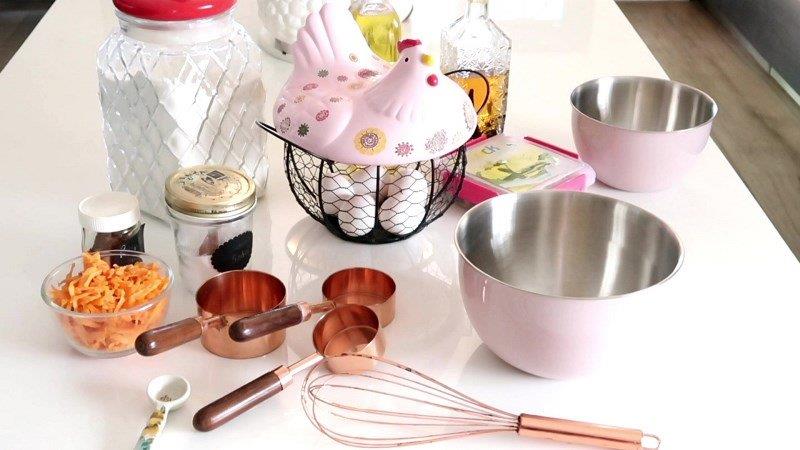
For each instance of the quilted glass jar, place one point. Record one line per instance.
(180, 85)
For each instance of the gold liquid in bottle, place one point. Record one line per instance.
(380, 25)
(492, 117)
(474, 42)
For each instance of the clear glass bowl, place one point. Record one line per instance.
(107, 335)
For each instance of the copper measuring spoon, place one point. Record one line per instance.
(221, 301)
(353, 286)
(345, 329)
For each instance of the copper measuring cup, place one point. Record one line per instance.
(353, 286)
(221, 301)
(345, 329)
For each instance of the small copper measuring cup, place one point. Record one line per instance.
(353, 286)
(345, 329)
(221, 301)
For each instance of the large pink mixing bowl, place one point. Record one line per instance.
(548, 278)
(640, 134)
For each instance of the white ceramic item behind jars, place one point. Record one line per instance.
(281, 20)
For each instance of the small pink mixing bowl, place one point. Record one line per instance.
(549, 278)
(640, 134)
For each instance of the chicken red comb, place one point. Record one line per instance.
(406, 43)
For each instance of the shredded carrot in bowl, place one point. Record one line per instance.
(102, 288)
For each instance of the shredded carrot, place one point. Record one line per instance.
(103, 288)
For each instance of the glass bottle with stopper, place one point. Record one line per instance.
(475, 43)
(380, 25)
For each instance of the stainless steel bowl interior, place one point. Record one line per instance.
(643, 104)
(568, 244)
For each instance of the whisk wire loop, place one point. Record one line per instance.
(484, 415)
(438, 387)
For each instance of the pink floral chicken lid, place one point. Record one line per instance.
(344, 103)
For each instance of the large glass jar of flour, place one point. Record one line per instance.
(180, 85)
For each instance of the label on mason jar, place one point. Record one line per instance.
(213, 184)
(234, 254)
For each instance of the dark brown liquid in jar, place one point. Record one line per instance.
(129, 239)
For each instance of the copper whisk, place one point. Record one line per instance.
(392, 405)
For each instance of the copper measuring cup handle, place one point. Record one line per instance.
(278, 319)
(583, 433)
(226, 408)
(166, 337)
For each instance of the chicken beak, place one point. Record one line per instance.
(426, 59)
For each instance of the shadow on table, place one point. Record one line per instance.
(428, 314)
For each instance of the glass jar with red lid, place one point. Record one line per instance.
(180, 85)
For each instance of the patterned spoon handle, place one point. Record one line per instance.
(153, 428)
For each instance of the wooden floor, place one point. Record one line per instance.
(17, 20)
(758, 126)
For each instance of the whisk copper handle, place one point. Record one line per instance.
(224, 409)
(583, 433)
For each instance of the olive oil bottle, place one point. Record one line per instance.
(380, 25)
(474, 42)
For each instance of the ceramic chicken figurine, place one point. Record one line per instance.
(344, 104)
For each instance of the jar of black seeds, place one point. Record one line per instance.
(211, 208)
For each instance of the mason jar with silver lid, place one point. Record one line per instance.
(212, 217)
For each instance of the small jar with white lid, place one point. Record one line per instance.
(111, 221)
(212, 217)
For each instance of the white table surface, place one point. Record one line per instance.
(715, 365)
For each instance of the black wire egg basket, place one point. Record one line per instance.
(351, 200)
(373, 204)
